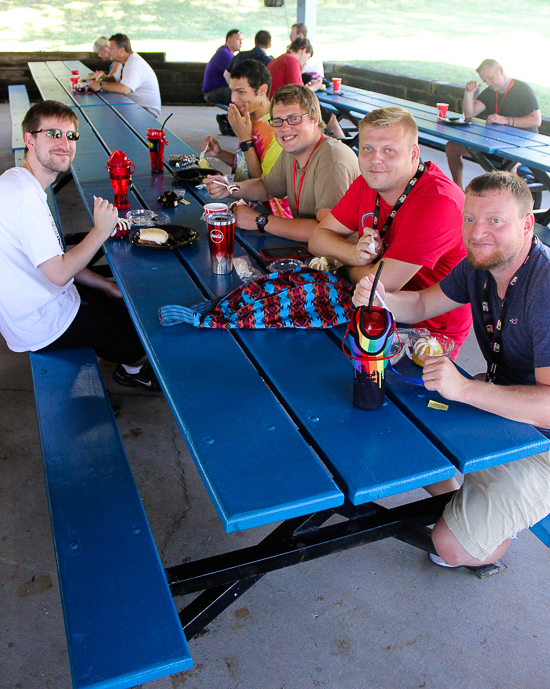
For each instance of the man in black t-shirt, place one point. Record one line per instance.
(506, 279)
(506, 101)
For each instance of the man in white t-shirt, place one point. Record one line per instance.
(134, 77)
(40, 304)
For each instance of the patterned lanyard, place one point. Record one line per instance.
(297, 198)
(400, 201)
(495, 332)
(497, 106)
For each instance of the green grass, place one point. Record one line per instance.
(406, 36)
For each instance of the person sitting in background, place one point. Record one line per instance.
(102, 48)
(134, 77)
(313, 171)
(506, 101)
(402, 209)
(287, 69)
(215, 87)
(248, 116)
(262, 42)
(314, 65)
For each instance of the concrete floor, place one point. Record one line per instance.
(378, 617)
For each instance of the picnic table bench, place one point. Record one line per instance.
(286, 445)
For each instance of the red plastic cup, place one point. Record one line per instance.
(336, 83)
(75, 71)
(156, 139)
(221, 241)
(214, 208)
(120, 168)
(442, 110)
(74, 82)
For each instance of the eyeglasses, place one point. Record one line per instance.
(293, 119)
(57, 134)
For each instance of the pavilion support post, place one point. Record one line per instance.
(307, 13)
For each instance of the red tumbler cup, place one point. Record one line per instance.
(120, 168)
(336, 83)
(370, 350)
(221, 241)
(74, 81)
(156, 139)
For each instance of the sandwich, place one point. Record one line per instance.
(153, 236)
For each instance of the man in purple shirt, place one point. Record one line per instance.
(215, 87)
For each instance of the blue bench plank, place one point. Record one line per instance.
(19, 104)
(491, 436)
(107, 560)
(542, 530)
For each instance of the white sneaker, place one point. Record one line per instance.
(441, 562)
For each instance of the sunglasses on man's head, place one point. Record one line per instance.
(57, 134)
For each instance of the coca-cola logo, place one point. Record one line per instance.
(216, 236)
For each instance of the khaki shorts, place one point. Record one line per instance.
(495, 504)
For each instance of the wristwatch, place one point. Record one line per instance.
(245, 145)
(261, 221)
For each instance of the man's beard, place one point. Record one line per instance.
(53, 164)
(499, 259)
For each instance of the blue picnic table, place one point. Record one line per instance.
(267, 415)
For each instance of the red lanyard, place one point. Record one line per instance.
(297, 199)
(497, 107)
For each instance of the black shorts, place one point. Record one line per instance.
(104, 324)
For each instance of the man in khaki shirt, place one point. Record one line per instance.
(313, 170)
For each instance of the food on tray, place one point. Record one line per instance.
(319, 263)
(153, 236)
(204, 164)
(426, 346)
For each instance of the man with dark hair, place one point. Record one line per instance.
(262, 42)
(248, 116)
(313, 170)
(506, 101)
(40, 304)
(133, 77)
(506, 279)
(215, 87)
(401, 208)
(287, 68)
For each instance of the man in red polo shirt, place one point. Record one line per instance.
(408, 211)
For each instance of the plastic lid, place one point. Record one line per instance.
(119, 159)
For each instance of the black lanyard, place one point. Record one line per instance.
(400, 201)
(495, 331)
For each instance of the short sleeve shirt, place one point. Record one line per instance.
(139, 76)
(34, 312)
(518, 102)
(284, 70)
(213, 74)
(526, 318)
(426, 231)
(331, 169)
(254, 54)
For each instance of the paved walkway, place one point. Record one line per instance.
(377, 617)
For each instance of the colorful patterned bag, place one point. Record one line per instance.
(300, 298)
